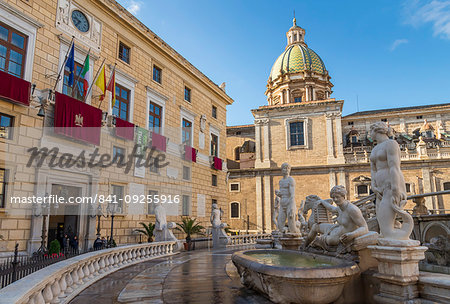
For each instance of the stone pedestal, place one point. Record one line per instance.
(219, 237)
(291, 241)
(398, 270)
(360, 245)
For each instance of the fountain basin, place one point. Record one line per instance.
(287, 276)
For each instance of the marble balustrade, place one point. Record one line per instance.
(247, 238)
(62, 281)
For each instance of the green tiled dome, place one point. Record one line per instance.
(297, 58)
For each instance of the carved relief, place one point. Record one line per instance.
(91, 38)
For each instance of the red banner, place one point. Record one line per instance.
(217, 163)
(190, 154)
(77, 119)
(15, 89)
(159, 142)
(124, 129)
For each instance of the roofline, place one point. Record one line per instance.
(170, 52)
(241, 126)
(370, 112)
(299, 104)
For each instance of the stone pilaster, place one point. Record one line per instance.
(398, 270)
(340, 143)
(330, 146)
(262, 143)
(258, 150)
(267, 204)
(259, 202)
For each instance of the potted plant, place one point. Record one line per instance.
(189, 227)
(54, 249)
(147, 231)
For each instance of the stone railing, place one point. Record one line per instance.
(361, 158)
(246, 239)
(62, 281)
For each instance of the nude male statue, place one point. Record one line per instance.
(388, 184)
(287, 201)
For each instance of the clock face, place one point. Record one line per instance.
(80, 21)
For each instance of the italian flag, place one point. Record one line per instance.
(85, 75)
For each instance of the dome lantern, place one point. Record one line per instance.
(295, 34)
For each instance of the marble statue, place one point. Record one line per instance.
(287, 201)
(163, 229)
(276, 209)
(301, 223)
(220, 237)
(388, 185)
(350, 222)
(420, 208)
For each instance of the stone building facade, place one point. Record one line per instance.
(303, 126)
(156, 89)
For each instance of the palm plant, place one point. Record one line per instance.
(189, 227)
(147, 231)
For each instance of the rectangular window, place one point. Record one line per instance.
(3, 182)
(121, 108)
(157, 74)
(213, 201)
(350, 123)
(234, 187)
(419, 117)
(408, 187)
(214, 180)
(124, 52)
(214, 112)
(118, 153)
(117, 196)
(363, 190)
(186, 133)
(13, 49)
(78, 85)
(297, 99)
(384, 119)
(234, 210)
(214, 144)
(6, 124)
(296, 132)
(186, 173)
(154, 166)
(155, 118)
(187, 94)
(186, 208)
(150, 199)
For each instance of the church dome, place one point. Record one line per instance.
(297, 58)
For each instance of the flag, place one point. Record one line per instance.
(101, 82)
(112, 87)
(70, 65)
(85, 75)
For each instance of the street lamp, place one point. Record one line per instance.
(112, 209)
(43, 210)
(97, 212)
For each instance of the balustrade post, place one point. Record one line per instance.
(91, 269)
(62, 285)
(111, 260)
(96, 266)
(102, 265)
(116, 260)
(38, 298)
(47, 293)
(69, 283)
(56, 291)
(80, 275)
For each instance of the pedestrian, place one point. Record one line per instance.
(104, 242)
(65, 242)
(74, 244)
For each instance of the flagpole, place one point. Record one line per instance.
(94, 80)
(64, 63)
(109, 82)
(78, 76)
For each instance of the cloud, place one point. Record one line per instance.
(397, 43)
(134, 7)
(436, 13)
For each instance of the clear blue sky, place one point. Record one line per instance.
(388, 53)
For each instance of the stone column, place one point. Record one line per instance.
(258, 142)
(330, 146)
(398, 270)
(266, 148)
(259, 204)
(288, 96)
(339, 140)
(267, 204)
(426, 180)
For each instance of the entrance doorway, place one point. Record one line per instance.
(65, 218)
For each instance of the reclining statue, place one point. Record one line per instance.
(350, 223)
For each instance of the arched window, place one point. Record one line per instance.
(235, 210)
(237, 153)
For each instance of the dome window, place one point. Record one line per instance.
(297, 99)
(295, 37)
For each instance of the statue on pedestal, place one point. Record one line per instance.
(287, 201)
(220, 238)
(350, 223)
(163, 229)
(389, 185)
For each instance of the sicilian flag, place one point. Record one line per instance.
(85, 75)
(70, 65)
(101, 82)
(112, 87)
